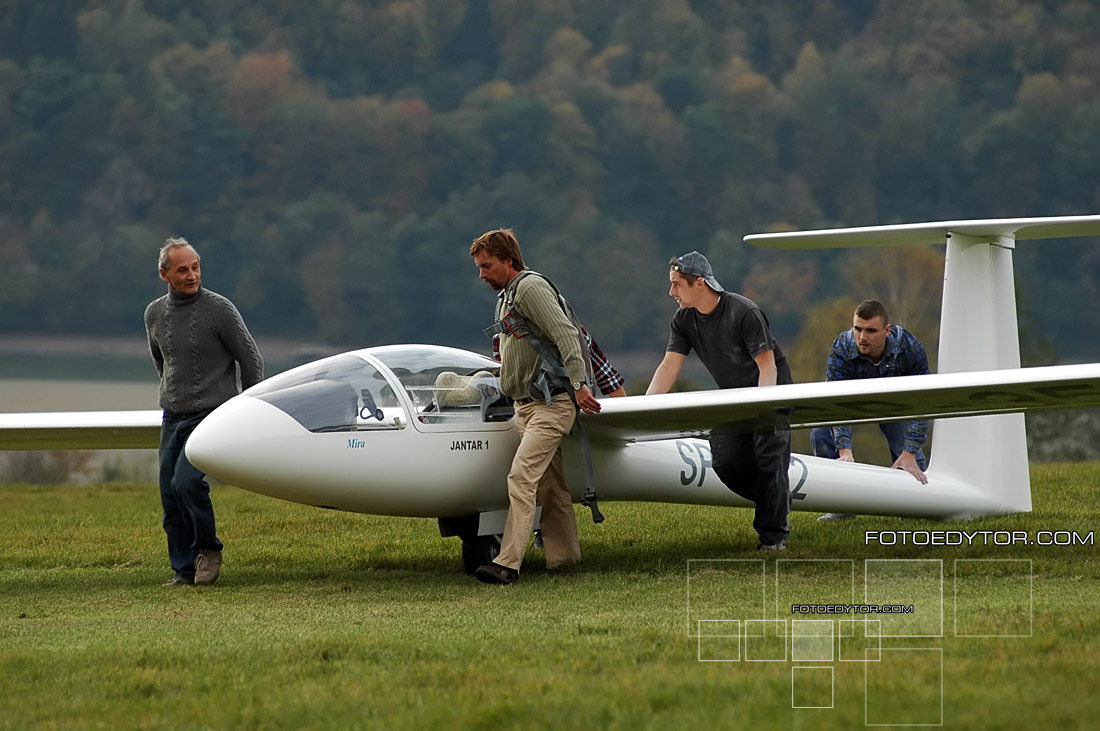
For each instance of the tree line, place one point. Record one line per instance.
(332, 160)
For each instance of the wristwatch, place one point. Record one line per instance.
(577, 385)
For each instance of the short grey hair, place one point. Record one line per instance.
(173, 243)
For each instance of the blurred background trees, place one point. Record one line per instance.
(332, 160)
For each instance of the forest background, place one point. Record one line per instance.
(333, 159)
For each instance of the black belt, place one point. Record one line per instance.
(553, 392)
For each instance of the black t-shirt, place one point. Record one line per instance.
(728, 341)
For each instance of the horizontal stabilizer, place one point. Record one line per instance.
(914, 234)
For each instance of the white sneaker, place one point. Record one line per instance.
(829, 517)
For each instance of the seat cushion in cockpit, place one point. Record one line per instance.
(452, 390)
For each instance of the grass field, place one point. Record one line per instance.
(331, 620)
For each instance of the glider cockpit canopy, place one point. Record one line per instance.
(386, 386)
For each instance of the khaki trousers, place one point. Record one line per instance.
(537, 476)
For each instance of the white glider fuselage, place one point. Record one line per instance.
(424, 473)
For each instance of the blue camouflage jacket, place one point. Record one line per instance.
(904, 356)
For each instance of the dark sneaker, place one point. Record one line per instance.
(208, 564)
(781, 546)
(178, 581)
(493, 573)
(830, 517)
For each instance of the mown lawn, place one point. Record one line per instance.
(331, 620)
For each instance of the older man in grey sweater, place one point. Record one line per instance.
(198, 341)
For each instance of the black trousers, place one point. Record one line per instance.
(755, 464)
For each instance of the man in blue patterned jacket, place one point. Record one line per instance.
(874, 348)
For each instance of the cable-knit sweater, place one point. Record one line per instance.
(197, 341)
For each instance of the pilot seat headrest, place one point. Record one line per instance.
(453, 390)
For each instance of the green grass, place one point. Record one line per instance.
(331, 620)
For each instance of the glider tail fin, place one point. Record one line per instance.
(978, 331)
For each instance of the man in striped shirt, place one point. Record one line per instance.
(536, 473)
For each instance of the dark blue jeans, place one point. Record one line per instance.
(754, 465)
(185, 496)
(894, 431)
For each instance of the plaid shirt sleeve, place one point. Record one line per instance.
(607, 378)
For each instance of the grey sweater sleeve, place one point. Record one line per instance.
(241, 345)
(154, 348)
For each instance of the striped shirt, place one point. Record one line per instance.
(537, 302)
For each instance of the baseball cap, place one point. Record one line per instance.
(697, 265)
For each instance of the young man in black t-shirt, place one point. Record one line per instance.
(733, 339)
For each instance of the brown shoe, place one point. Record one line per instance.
(494, 573)
(208, 564)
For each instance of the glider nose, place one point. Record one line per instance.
(237, 438)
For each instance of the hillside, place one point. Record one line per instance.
(332, 160)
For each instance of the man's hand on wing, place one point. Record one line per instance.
(587, 401)
(908, 462)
